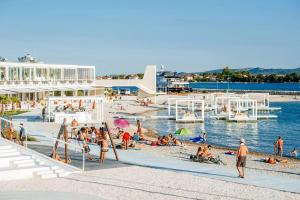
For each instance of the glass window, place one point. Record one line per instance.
(2, 73)
(14, 73)
(55, 74)
(85, 73)
(70, 74)
(41, 74)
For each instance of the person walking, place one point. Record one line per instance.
(279, 146)
(241, 158)
(22, 134)
(44, 113)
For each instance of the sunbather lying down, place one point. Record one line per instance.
(203, 155)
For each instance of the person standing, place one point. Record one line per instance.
(104, 147)
(139, 127)
(241, 158)
(279, 146)
(60, 134)
(22, 134)
(204, 137)
(44, 113)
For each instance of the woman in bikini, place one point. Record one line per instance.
(104, 147)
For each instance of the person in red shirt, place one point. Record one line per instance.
(126, 139)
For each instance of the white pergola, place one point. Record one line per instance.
(92, 113)
(242, 110)
(189, 110)
(172, 102)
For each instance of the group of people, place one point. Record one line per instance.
(86, 135)
(167, 140)
(129, 140)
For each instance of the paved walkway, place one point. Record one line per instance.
(45, 195)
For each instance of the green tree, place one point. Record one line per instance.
(14, 100)
(3, 101)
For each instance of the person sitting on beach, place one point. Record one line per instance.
(294, 153)
(158, 142)
(164, 141)
(205, 152)
(120, 134)
(170, 138)
(136, 136)
(199, 152)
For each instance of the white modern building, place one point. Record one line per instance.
(30, 80)
(33, 80)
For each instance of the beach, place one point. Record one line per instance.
(255, 158)
(165, 172)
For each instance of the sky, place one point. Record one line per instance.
(123, 36)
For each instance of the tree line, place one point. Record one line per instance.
(245, 76)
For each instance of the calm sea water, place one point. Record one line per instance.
(259, 136)
(247, 86)
(238, 86)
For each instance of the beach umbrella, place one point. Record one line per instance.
(183, 131)
(121, 123)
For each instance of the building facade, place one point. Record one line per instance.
(19, 78)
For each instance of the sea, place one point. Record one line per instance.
(292, 87)
(259, 135)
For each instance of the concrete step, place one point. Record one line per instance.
(22, 161)
(46, 176)
(5, 161)
(43, 172)
(2, 151)
(6, 147)
(58, 171)
(16, 153)
(16, 174)
(55, 167)
(64, 174)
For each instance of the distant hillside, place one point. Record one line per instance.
(259, 71)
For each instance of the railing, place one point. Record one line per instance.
(17, 139)
(74, 145)
(11, 124)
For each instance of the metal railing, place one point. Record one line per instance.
(17, 138)
(74, 145)
(11, 124)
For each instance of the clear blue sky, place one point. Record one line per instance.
(124, 36)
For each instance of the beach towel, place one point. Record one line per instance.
(230, 153)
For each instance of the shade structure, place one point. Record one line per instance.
(183, 131)
(121, 123)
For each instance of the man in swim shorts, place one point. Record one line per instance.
(241, 158)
